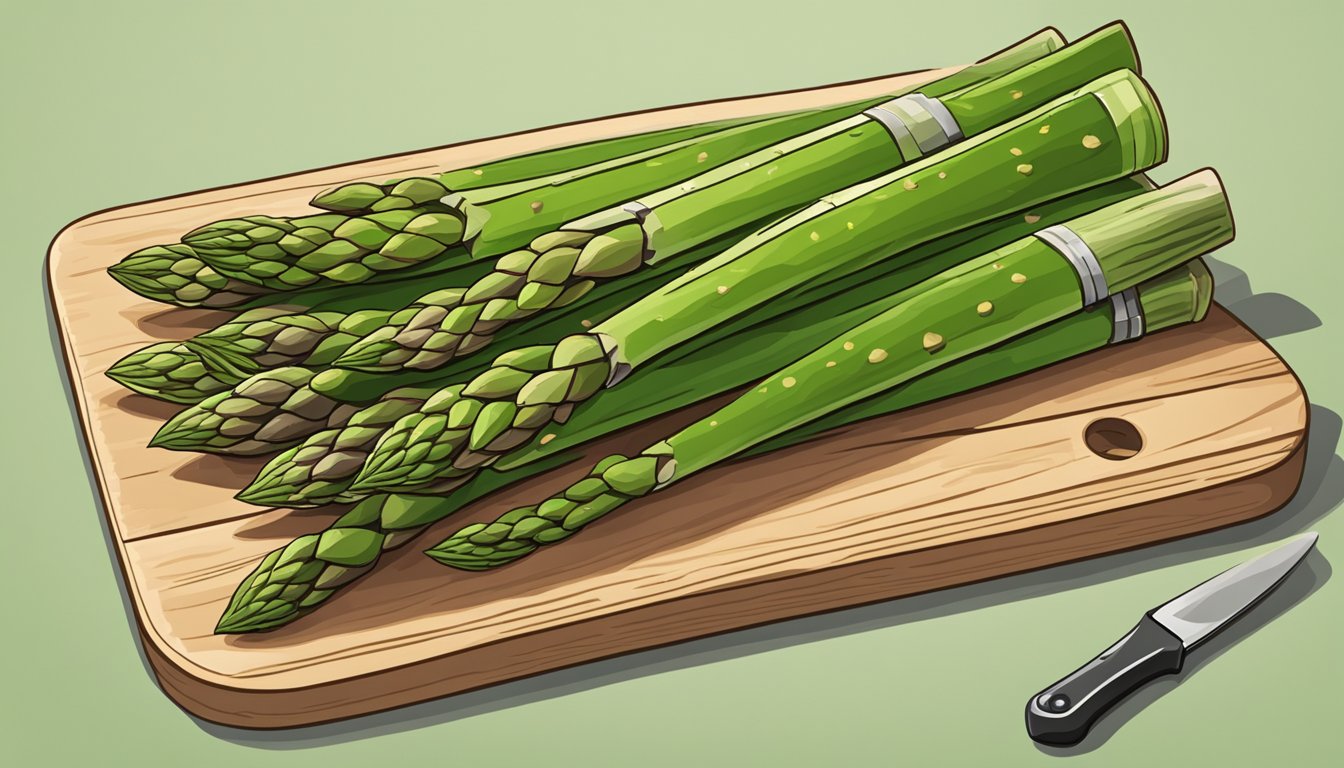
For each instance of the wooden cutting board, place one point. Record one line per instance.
(999, 481)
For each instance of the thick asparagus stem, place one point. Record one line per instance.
(729, 357)
(1099, 133)
(559, 266)
(1000, 298)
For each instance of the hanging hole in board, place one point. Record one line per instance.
(1114, 439)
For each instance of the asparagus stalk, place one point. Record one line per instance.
(1107, 130)
(274, 409)
(415, 226)
(659, 226)
(294, 580)
(990, 301)
(319, 471)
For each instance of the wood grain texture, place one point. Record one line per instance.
(989, 483)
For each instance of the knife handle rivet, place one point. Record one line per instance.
(1057, 702)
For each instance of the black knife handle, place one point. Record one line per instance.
(1062, 714)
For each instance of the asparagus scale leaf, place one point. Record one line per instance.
(990, 301)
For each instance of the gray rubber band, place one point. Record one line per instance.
(1081, 257)
(648, 221)
(1128, 313)
(910, 149)
(940, 113)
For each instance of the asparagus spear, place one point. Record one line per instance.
(189, 371)
(294, 580)
(320, 470)
(1107, 130)
(661, 225)
(275, 409)
(412, 227)
(989, 301)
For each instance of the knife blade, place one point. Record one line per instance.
(1062, 714)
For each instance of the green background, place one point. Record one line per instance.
(108, 105)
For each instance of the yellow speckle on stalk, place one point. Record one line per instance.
(1045, 128)
(910, 184)
(654, 163)
(1091, 142)
(932, 342)
(702, 157)
(547, 438)
(536, 206)
(586, 323)
(1024, 169)
(1015, 152)
(714, 423)
(1031, 218)
(942, 174)
(998, 265)
(478, 172)
(880, 196)
(771, 171)
(849, 346)
(788, 382)
(830, 363)
(849, 225)
(1016, 94)
(723, 289)
(762, 390)
(877, 355)
(984, 308)
(815, 237)
(1018, 278)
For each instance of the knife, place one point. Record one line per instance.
(1062, 714)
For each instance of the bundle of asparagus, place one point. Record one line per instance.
(458, 320)
(319, 471)
(1025, 311)
(1126, 127)
(356, 363)
(415, 226)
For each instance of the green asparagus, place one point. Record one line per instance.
(319, 471)
(296, 579)
(559, 265)
(413, 227)
(989, 301)
(1107, 130)
(275, 409)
